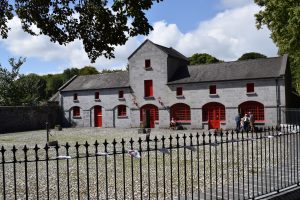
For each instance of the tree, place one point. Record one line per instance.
(100, 27)
(282, 17)
(202, 58)
(32, 89)
(9, 90)
(54, 82)
(69, 73)
(251, 55)
(88, 70)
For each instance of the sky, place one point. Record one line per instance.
(223, 28)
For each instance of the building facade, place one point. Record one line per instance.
(160, 85)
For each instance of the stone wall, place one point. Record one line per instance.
(25, 118)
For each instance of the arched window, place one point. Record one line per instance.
(122, 111)
(152, 109)
(76, 111)
(181, 112)
(256, 108)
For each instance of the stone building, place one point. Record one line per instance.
(160, 85)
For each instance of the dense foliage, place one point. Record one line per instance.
(282, 17)
(202, 58)
(251, 55)
(99, 24)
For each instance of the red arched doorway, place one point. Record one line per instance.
(256, 108)
(180, 112)
(213, 113)
(148, 115)
(98, 116)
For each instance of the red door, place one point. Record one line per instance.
(214, 113)
(150, 112)
(98, 116)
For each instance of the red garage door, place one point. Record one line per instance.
(213, 113)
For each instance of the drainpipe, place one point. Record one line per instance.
(278, 102)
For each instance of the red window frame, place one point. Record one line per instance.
(148, 87)
(122, 111)
(179, 91)
(181, 112)
(76, 111)
(75, 97)
(147, 63)
(256, 108)
(121, 94)
(212, 89)
(250, 87)
(97, 95)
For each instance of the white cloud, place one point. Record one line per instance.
(235, 3)
(227, 36)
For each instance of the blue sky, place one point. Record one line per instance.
(223, 28)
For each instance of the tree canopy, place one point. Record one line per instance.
(202, 58)
(251, 55)
(100, 25)
(282, 17)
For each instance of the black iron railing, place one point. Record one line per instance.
(225, 165)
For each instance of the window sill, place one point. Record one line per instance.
(76, 101)
(122, 99)
(213, 95)
(180, 97)
(122, 117)
(251, 93)
(97, 100)
(148, 68)
(76, 117)
(149, 98)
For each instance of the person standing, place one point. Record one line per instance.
(238, 122)
(246, 122)
(251, 119)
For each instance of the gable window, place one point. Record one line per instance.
(212, 89)
(121, 111)
(179, 91)
(250, 87)
(97, 95)
(147, 63)
(76, 111)
(75, 97)
(148, 88)
(121, 94)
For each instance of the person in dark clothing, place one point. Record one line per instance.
(238, 122)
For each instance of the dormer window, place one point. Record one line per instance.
(250, 87)
(148, 64)
(121, 94)
(75, 97)
(212, 89)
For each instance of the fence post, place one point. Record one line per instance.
(3, 171)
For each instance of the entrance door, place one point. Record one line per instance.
(213, 113)
(98, 116)
(149, 114)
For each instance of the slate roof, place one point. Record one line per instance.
(237, 70)
(98, 81)
(168, 50)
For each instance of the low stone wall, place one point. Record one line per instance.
(25, 118)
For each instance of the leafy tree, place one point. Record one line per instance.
(54, 82)
(202, 58)
(88, 70)
(251, 55)
(9, 89)
(69, 73)
(32, 89)
(282, 17)
(100, 26)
